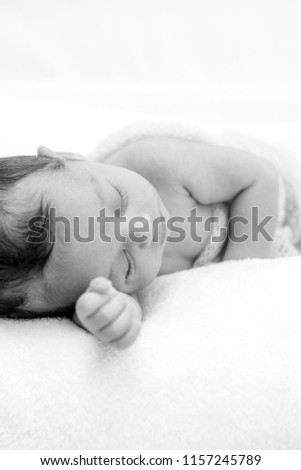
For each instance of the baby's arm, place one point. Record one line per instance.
(249, 184)
(110, 315)
(213, 174)
(257, 204)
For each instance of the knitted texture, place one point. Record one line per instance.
(288, 233)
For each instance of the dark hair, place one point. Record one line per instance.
(20, 260)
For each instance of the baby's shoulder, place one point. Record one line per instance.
(153, 158)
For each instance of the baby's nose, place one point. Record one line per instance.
(140, 230)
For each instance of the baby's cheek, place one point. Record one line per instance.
(149, 270)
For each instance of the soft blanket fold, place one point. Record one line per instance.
(217, 365)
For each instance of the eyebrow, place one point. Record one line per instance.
(67, 157)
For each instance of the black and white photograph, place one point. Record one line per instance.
(150, 232)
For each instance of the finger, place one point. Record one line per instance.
(118, 328)
(107, 314)
(89, 303)
(101, 285)
(128, 337)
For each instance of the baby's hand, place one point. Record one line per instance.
(110, 315)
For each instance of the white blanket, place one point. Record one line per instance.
(217, 365)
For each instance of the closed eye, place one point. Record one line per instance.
(131, 264)
(123, 198)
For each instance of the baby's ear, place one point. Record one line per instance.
(46, 152)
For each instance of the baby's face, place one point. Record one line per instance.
(83, 190)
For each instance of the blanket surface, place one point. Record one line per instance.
(217, 365)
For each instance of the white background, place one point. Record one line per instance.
(72, 71)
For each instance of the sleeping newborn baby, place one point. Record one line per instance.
(80, 238)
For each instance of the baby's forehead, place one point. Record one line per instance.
(46, 180)
(35, 188)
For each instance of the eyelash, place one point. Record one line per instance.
(130, 263)
(122, 196)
